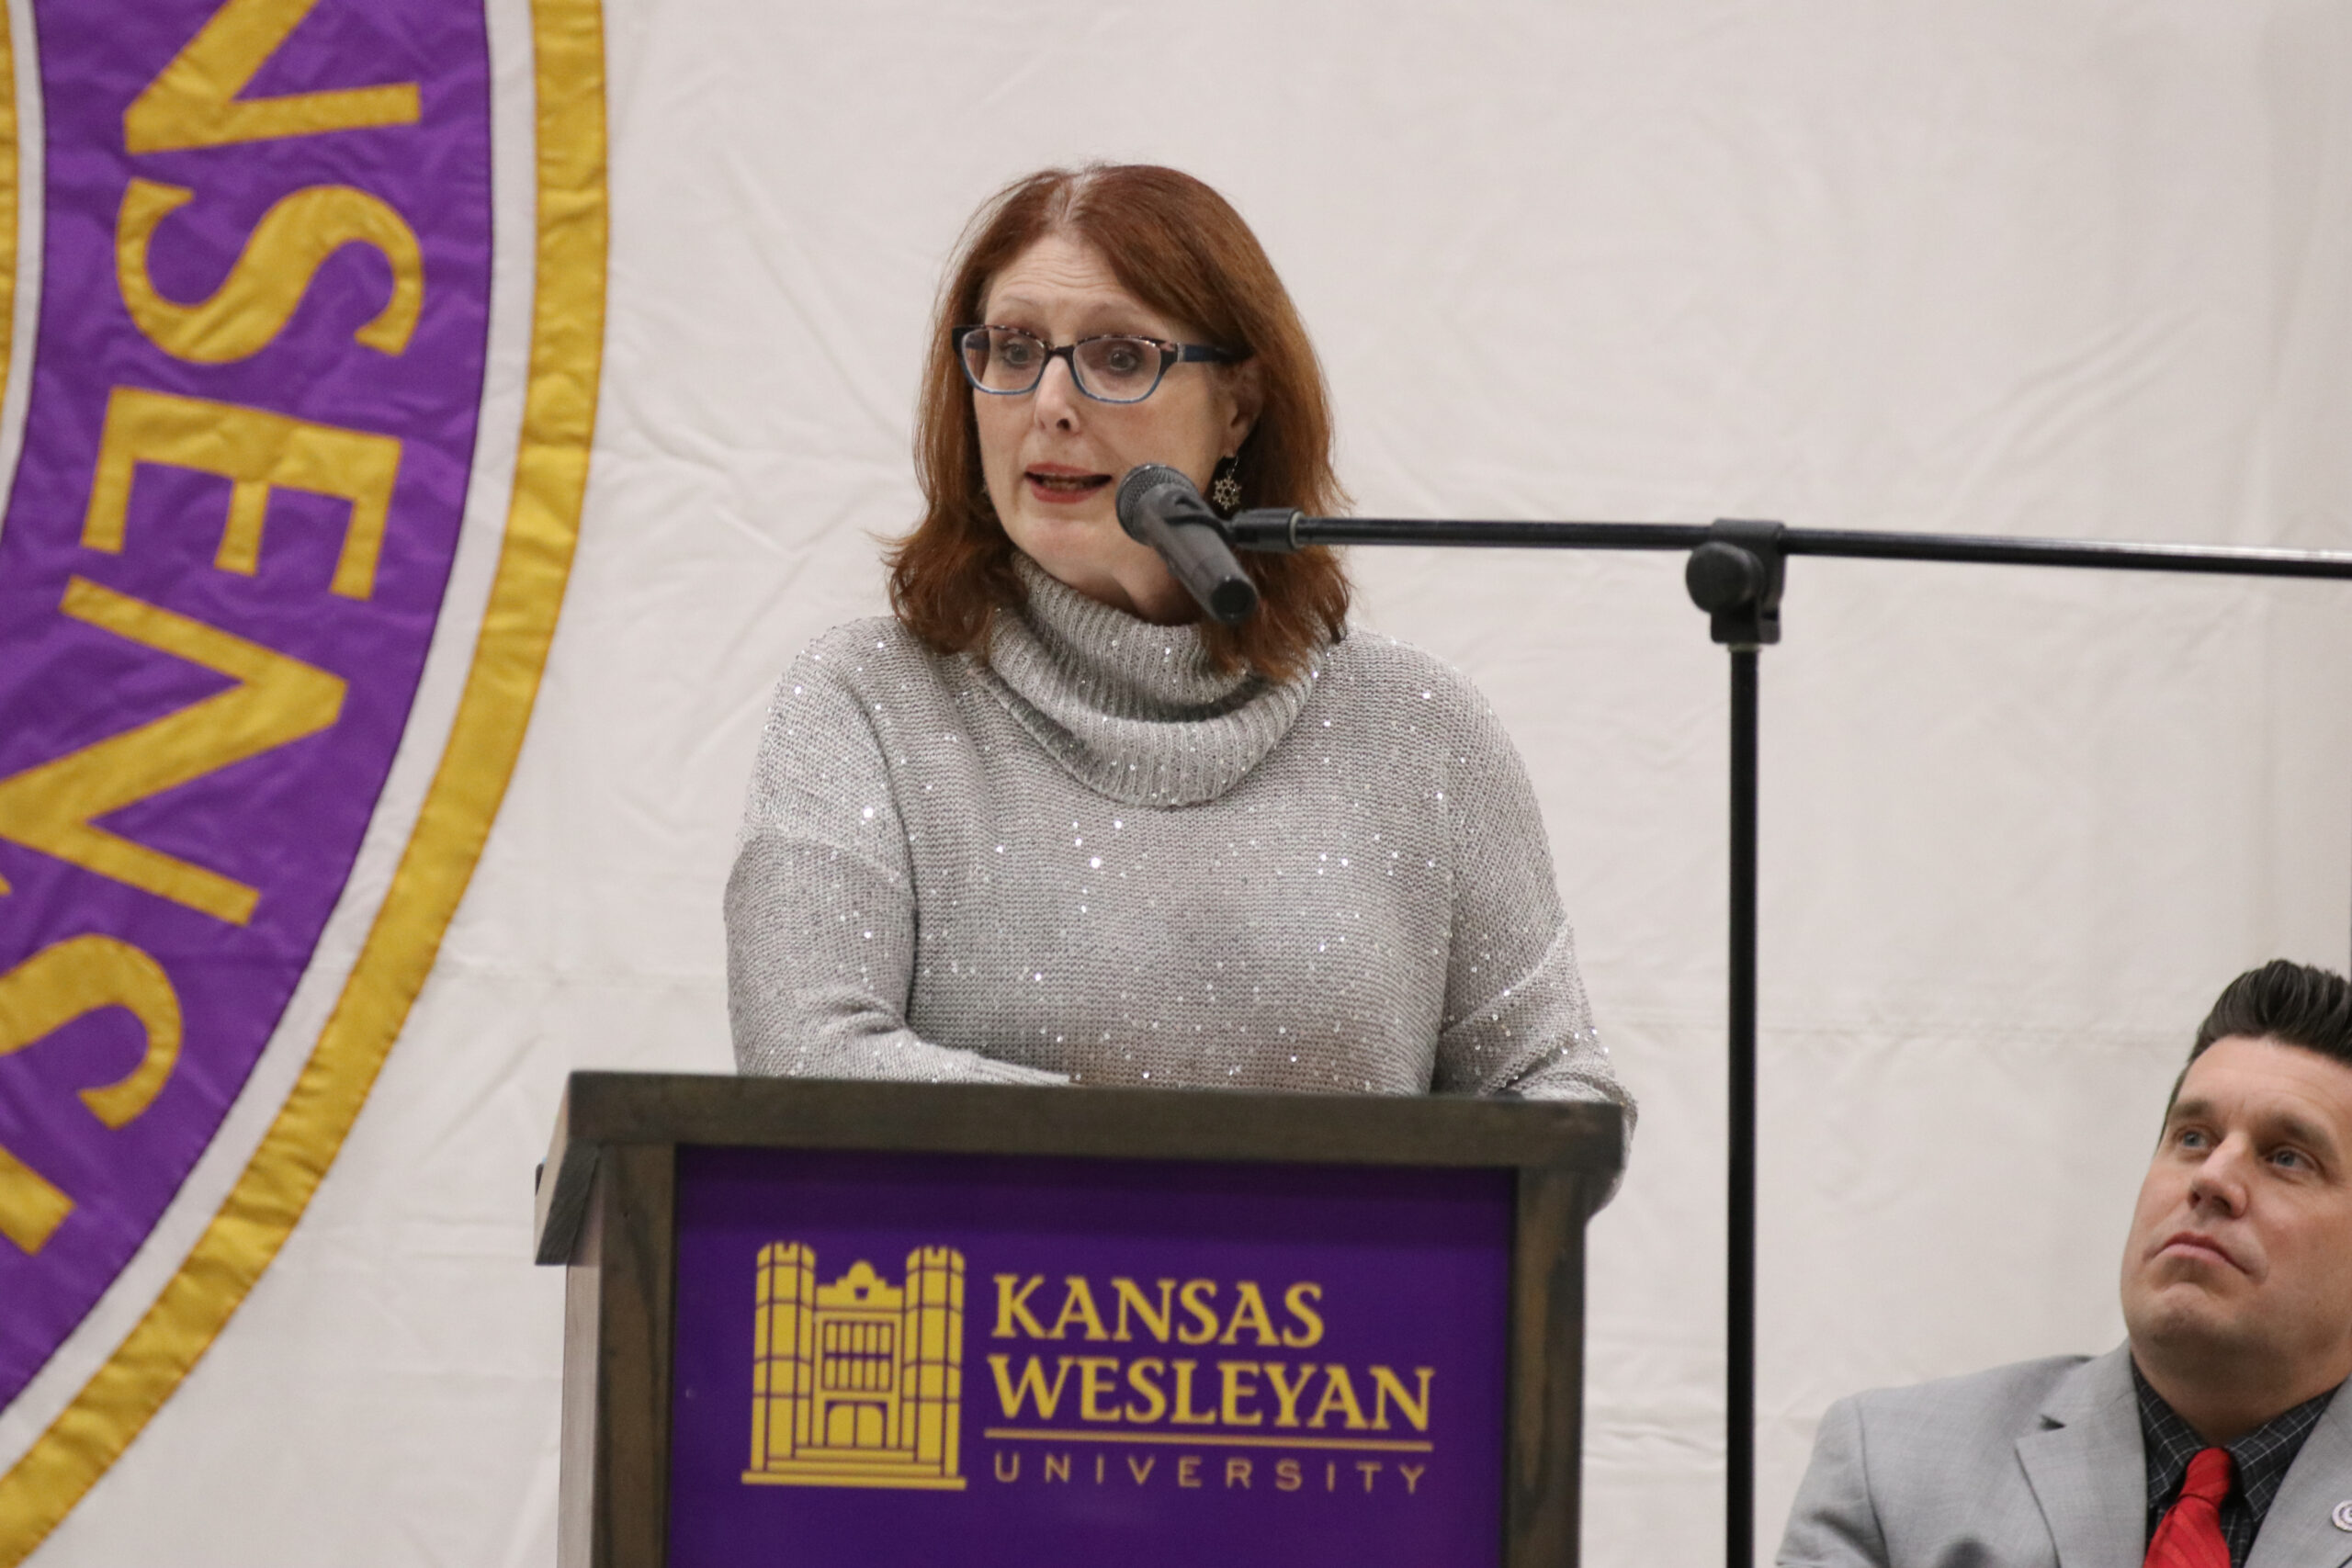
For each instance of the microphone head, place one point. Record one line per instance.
(1158, 506)
(1142, 480)
(1233, 601)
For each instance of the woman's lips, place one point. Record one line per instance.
(1063, 487)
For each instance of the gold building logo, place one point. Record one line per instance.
(859, 1383)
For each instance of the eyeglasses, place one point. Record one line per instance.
(1006, 362)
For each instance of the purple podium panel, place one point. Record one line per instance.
(894, 1360)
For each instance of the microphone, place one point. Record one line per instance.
(1158, 506)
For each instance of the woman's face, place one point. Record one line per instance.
(1052, 457)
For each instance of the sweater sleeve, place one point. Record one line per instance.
(1516, 1020)
(820, 906)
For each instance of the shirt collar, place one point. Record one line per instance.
(2260, 1459)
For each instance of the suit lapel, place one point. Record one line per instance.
(2088, 1469)
(2299, 1532)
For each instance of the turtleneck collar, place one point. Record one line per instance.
(1136, 712)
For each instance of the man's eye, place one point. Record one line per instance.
(2290, 1160)
(2192, 1138)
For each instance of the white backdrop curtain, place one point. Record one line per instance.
(2011, 267)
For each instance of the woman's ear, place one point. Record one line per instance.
(1246, 389)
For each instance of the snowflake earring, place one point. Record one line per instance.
(1225, 488)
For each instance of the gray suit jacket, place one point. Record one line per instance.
(2038, 1465)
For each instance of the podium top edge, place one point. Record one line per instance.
(1117, 1123)
(606, 1108)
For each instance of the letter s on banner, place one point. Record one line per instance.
(272, 275)
(59, 984)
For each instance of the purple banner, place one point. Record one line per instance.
(263, 297)
(888, 1362)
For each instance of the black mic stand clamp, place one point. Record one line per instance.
(1269, 530)
(1736, 578)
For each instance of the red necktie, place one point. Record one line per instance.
(2190, 1535)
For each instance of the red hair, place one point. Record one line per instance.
(1181, 249)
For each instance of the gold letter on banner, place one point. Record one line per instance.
(194, 102)
(256, 451)
(50, 807)
(31, 1208)
(293, 239)
(44, 993)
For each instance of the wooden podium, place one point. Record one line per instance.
(818, 1322)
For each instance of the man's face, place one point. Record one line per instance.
(2241, 1246)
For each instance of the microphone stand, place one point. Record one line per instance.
(1735, 573)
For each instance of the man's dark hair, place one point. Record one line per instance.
(2294, 1003)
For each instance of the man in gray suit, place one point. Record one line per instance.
(2219, 1434)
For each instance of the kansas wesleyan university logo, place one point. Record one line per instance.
(859, 1383)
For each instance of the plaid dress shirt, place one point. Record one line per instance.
(2260, 1461)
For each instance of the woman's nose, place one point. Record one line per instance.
(1058, 396)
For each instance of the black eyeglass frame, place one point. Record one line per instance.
(1170, 353)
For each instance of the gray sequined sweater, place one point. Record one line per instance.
(1093, 858)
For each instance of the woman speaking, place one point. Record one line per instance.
(1046, 825)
